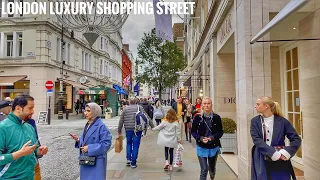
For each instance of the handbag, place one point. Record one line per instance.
(87, 160)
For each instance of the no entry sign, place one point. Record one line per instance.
(49, 84)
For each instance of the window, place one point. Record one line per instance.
(86, 61)
(0, 8)
(10, 15)
(21, 1)
(89, 64)
(19, 44)
(9, 45)
(102, 41)
(58, 50)
(83, 60)
(101, 66)
(68, 53)
(106, 45)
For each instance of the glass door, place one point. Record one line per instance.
(293, 109)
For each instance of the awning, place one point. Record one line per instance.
(188, 71)
(290, 8)
(9, 80)
(76, 84)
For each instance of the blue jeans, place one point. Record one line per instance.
(133, 144)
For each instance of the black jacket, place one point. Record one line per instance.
(199, 128)
(148, 109)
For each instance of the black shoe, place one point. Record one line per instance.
(128, 163)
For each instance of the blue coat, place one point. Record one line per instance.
(98, 139)
(281, 128)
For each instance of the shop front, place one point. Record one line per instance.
(11, 86)
(105, 97)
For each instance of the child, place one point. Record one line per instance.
(169, 136)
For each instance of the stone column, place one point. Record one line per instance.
(213, 55)
(309, 83)
(253, 74)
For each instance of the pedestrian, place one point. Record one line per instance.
(37, 171)
(207, 130)
(197, 106)
(180, 109)
(158, 113)
(133, 137)
(5, 108)
(169, 136)
(77, 106)
(187, 119)
(84, 104)
(18, 156)
(270, 156)
(94, 141)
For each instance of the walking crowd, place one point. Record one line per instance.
(20, 147)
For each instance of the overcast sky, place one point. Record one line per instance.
(136, 25)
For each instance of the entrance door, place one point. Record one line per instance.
(293, 110)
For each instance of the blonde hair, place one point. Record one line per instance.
(274, 106)
(171, 116)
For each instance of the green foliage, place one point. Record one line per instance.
(158, 62)
(228, 125)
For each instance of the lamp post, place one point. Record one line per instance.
(61, 93)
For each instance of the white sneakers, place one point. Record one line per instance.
(166, 165)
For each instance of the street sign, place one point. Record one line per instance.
(49, 85)
(49, 92)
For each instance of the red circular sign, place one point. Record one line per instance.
(49, 84)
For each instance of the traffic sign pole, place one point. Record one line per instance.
(49, 85)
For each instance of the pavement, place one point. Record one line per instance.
(61, 162)
(151, 160)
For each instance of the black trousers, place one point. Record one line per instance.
(168, 150)
(208, 164)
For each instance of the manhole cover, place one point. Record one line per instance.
(62, 137)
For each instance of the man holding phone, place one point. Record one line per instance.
(18, 156)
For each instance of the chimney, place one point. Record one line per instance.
(126, 47)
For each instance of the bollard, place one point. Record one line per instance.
(67, 114)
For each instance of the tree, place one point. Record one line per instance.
(158, 62)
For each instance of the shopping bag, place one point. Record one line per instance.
(177, 160)
(118, 144)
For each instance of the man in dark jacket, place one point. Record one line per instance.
(147, 107)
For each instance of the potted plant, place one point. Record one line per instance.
(229, 138)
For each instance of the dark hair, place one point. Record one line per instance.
(21, 101)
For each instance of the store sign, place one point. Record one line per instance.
(87, 91)
(229, 100)
(225, 28)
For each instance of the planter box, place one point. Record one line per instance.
(229, 143)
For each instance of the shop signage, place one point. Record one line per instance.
(83, 92)
(225, 28)
(229, 100)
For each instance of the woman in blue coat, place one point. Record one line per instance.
(95, 142)
(270, 156)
